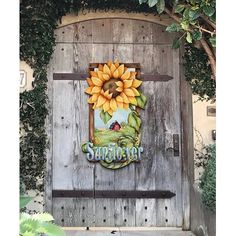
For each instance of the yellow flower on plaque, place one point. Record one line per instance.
(113, 86)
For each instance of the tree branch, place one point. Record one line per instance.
(204, 44)
(210, 56)
(212, 24)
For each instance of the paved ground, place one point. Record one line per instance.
(123, 232)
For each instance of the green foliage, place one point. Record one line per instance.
(105, 116)
(134, 120)
(141, 101)
(208, 179)
(35, 225)
(198, 73)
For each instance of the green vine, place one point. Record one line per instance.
(198, 73)
(38, 20)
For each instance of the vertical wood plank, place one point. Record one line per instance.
(101, 31)
(83, 32)
(187, 144)
(122, 31)
(145, 171)
(142, 32)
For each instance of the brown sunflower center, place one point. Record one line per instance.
(111, 86)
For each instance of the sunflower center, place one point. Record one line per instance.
(111, 86)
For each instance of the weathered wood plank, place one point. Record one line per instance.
(187, 144)
(122, 31)
(73, 212)
(145, 171)
(101, 31)
(142, 32)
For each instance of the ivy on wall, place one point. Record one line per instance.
(38, 20)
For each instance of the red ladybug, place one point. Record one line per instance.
(115, 126)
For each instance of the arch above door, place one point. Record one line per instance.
(92, 15)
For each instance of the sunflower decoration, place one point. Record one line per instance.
(113, 86)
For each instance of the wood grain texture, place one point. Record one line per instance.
(128, 41)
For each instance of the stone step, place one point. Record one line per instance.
(129, 232)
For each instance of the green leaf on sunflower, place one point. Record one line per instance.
(50, 229)
(105, 116)
(160, 6)
(141, 101)
(43, 217)
(134, 121)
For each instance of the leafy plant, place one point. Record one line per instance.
(208, 179)
(37, 224)
(195, 20)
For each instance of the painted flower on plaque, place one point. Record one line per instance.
(115, 96)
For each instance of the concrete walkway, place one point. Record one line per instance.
(124, 232)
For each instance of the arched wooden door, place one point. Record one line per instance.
(129, 41)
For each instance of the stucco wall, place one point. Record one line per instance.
(203, 126)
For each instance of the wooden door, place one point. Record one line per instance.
(129, 41)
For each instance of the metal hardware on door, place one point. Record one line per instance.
(176, 144)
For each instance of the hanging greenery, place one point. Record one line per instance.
(198, 73)
(38, 20)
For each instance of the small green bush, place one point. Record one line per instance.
(208, 179)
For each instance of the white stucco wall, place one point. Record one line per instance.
(203, 126)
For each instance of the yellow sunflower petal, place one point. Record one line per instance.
(119, 89)
(121, 70)
(100, 67)
(93, 73)
(125, 98)
(106, 70)
(115, 74)
(112, 68)
(105, 76)
(133, 100)
(126, 75)
(89, 90)
(132, 75)
(106, 106)
(127, 83)
(126, 106)
(96, 89)
(109, 63)
(119, 83)
(113, 104)
(119, 99)
(110, 112)
(120, 104)
(97, 81)
(94, 98)
(136, 83)
(100, 75)
(136, 92)
(129, 92)
(101, 101)
(117, 63)
(90, 100)
(89, 81)
(94, 105)
(107, 95)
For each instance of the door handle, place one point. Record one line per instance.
(176, 144)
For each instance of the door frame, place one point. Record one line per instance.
(185, 110)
